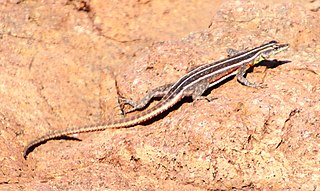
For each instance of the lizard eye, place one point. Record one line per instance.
(276, 48)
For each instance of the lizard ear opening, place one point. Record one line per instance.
(266, 54)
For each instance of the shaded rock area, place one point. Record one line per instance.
(64, 64)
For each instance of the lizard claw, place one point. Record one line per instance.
(125, 101)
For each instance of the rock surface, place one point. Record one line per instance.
(60, 60)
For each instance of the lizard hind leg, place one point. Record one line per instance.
(196, 90)
(158, 92)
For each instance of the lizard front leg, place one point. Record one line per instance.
(244, 81)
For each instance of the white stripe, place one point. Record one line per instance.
(222, 69)
(230, 59)
(219, 71)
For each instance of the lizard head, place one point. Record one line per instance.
(272, 48)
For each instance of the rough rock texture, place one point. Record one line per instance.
(60, 61)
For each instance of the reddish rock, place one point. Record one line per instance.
(59, 61)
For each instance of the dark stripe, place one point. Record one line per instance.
(214, 67)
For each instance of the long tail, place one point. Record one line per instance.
(61, 133)
(122, 123)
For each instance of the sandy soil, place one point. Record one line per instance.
(64, 64)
